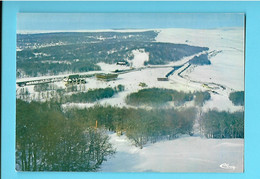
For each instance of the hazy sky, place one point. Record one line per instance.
(92, 21)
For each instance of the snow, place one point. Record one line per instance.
(55, 61)
(140, 56)
(211, 38)
(108, 68)
(227, 67)
(186, 154)
(117, 100)
(77, 105)
(54, 76)
(221, 103)
(111, 52)
(41, 54)
(148, 76)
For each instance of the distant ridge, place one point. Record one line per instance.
(101, 30)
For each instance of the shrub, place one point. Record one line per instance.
(237, 98)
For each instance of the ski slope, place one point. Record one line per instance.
(185, 154)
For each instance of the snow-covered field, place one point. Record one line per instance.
(189, 154)
(227, 67)
(139, 58)
(186, 154)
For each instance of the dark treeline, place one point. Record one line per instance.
(201, 97)
(92, 95)
(51, 139)
(45, 87)
(162, 53)
(37, 68)
(32, 40)
(159, 96)
(200, 60)
(139, 125)
(80, 93)
(216, 124)
(80, 57)
(237, 98)
(46, 140)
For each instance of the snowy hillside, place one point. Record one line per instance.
(186, 154)
(224, 75)
(188, 151)
(227, 67)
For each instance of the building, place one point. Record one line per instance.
(162, 79)
(103, 76)
(121, 63)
